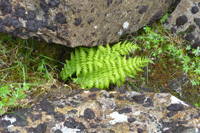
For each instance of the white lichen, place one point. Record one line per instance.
(95, 27)
(175, 100)
(118, 118)
(120, 32)
(64, 129)
(13, 119)
(86, 91)
(126, 25)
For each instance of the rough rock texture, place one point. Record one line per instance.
(186, 19)
(109, 112)
(78, 22)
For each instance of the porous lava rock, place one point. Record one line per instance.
(78, 22)
(185, 20)
(102, 111)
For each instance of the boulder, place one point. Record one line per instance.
(109, 112)
(78, 22)
(185, 20)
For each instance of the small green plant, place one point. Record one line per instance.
(197, 104)
(191, 65)
(10, 96)
(152, 40)
(42, 68)
(164, 18)
(170, 51)
(98, 67)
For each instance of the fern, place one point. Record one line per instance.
(99, 67)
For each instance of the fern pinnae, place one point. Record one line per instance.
(77, 62)
(125, 66)
(131, 67)
(108, 49)
(101, 83)
(72, 62)
(83, 60)
(125, 48)
(91, 53)
(110, 68)
(138, 63)
(107, 73)
(120, 69)
(90, 58)
(97, 60)
(101, 48)
(68, 70)
(116, 47)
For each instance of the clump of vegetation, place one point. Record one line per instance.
(98, 67)
(173, 55)
(23, 70)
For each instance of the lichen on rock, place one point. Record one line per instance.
(186, 19)
(78, 23)
(102, 111)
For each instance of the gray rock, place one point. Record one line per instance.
(185, 19)
(78, 22)
(102, 111)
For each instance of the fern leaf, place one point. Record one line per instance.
(77, 61)
(101, 83)
(137, 63)
(90, 58)
(96, 61)
(125, 65)
(91, 53)
(90, 83)
(83, 59)
(102, 66)
(140, 62)
(125, 48)
(116, 47)
(106, 82)
(120, 69)
(119, 83)
(72, 62)
(90, 66)
(116, 74)
(67, 71)
(101, 48)
(108, 50)
(97, 82)
(130, 66)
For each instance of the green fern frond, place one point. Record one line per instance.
(99, 67)
(125, 48)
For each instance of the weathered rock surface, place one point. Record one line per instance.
(101, 111)
(78, 22)
(186, 19)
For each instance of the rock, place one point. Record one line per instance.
(78, 23)
(186, 19)
(102, 111)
